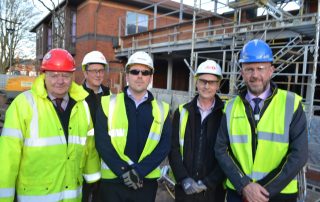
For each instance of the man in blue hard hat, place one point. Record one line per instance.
(262, 141)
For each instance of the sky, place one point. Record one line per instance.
(222, 7)
(27, 50)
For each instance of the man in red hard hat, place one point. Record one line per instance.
(46, 146)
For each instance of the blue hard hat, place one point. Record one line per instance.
(256, 51)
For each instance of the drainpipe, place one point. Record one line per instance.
(95, 24)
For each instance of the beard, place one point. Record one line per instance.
(257, 89)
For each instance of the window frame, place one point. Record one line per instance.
(138, 24)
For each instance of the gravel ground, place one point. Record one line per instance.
(163, 195)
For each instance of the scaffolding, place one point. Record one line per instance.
(206, 34)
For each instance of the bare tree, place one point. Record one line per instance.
(16, 19)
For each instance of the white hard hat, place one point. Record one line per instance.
(209, 67)
(140, 57)
(94, 57)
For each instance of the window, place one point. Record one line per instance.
(136, 22)
(49, 42)
(58, 28)
(73, 27)
(39, 44)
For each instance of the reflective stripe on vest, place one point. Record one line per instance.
(182, 126)
(6, 193)
(182, 129)
(12, 132)
(272, 132)
(64, 195)
(114, 107)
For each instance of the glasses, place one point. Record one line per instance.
(204, 82)
(143, 72)
(250, 70)
(56, 75)
(96, 71)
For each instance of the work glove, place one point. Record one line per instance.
(189, 186)
(131, 179)
(201, 186)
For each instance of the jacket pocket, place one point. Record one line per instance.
(35, 187)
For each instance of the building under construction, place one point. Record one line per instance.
(180, 36)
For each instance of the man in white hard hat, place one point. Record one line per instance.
(132, 136)
(194, 130)
(94, 66)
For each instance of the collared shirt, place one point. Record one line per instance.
(205, 112)
(99, 90)
(137, 102)
(64, 102)
(263, 96)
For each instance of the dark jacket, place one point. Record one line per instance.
(94, 100)
(199, 161)
(291, 164)
(140, 120)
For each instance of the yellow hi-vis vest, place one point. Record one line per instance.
(114, 108)
(184, 114)
(36, 162)
(273, 136)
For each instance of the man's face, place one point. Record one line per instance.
(58, 83)
(257, 76)
(94, 74)
(207, 85)
(138, 77)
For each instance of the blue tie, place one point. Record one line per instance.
(256, 109)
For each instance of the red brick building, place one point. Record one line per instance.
(85, 25)
(165, 30)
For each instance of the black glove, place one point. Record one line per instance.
(131, 179)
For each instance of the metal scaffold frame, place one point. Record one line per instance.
(305, 71)
(293, 37)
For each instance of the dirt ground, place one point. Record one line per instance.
(163, 195)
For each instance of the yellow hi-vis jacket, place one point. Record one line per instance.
(272, 136)
(114, 108)
(36, 160)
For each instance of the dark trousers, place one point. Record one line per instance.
(90, 192)
(233, 196)
(118, 192)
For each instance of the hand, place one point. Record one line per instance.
(254, 192)
(131, 179)
(201, 186)
(189, 186)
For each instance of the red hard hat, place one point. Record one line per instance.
(58, 60)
